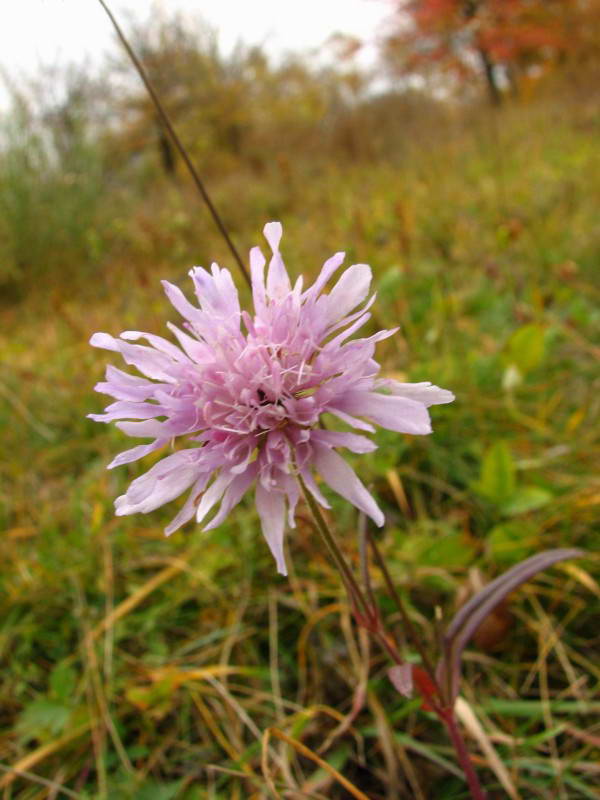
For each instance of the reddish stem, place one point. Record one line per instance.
(464, 759)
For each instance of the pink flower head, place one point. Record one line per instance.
(247, 394)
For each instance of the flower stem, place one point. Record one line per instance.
(177, 142)
(354, 590)
(350, 581)
(412, 634)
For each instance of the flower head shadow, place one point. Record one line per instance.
(247, 392)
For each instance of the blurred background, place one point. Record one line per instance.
(454, 146)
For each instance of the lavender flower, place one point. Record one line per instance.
(248, 394)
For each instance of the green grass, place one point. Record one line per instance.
(485, 243)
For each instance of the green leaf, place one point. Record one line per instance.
(497, 481)
(534, 709)
(435, 543)
(526, 498)
(63, 680)
(43, 719)
(511, 542)
(450, 550)
(426, 751)
(152, 790)
(526, 347)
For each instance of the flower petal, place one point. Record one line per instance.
(181, 303)
(342, 479)
(352, 441)
(327, 270)
(233, 494)
(136, 453)
(165, 481)
(218, 297)
(271, 510)
(123, 386)
(424, 392)
(104, 340)
(163, 345)
(147, 360)
(349, 419)
(273, 232)
(146, 428)
(312, 487)
(198, 351)
(349, 291)
(278, 281)
(188, 509)
(213, 494)
(257, 272)
(395, 413)
(125, 409)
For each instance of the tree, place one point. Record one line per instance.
(501, 40)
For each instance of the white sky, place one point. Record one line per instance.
(49, 32)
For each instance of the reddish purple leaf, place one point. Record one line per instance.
(471, 615)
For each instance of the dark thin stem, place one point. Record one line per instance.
(413, 635)
(364, 558)
(464, 759)
(354, 590)
(177, 142)
(390, 648)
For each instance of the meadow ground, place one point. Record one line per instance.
(135, 666)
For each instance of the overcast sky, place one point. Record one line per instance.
(36, 32)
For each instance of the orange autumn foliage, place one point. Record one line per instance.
(505, 41)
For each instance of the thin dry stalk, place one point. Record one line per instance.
(385, 739)
(223, 741)
(247, 720)
(53, 786)
(127, 605)
(31, 759)
(310, 624)
(307, 753)
(546, 633)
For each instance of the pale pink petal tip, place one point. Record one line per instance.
(273, 232)
(103, 340)
(239, 396)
